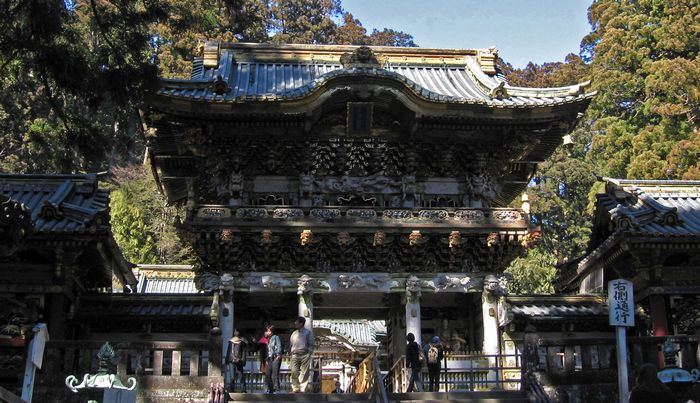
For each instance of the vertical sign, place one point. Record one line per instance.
(621, 303)
(621, 308)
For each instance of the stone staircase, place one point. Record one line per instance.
(429, 397)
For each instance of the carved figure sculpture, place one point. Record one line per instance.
(447, 281)
(482, 191)
(505, 313)
(413, 289)
(343, 238)
(492, 239)
(408, 186)
(379, 238)
(306, 185)
(275, 282)
(380, 184)
(491, 285)
(455, 239)
(351, 281)
(206, 281)
(226, 284)
(530, 239)
(318, 201)
(266, 237)
(305, 237)
(415, 238)
(305, 285)
(231, 186)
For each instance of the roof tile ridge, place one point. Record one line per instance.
(574, 90)
(664, 214)
(52, 207)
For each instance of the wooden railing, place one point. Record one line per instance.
(369, 380)
(598, 354)
(397, 377)
(464, 372)
(186, 368)
(378, 393)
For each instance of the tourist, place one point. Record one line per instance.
(301, 346)
(414, 360)
(262, 349)
(433, 353)
(274, 359)
(649, 388)
(236, 355)
(337, 388)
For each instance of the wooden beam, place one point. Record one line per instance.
(9, 397)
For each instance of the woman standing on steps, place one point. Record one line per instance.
(274, 359)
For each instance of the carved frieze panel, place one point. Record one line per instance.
(213, 212)
(361, 214)
(348, 167)
(287, 213)
(352, 282)
(348, 251)
(324, 214)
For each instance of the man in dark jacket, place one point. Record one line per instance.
(414, 360)
(236, 356)
(433, 353)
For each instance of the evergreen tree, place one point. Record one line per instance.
(130, 230)
(646, 65)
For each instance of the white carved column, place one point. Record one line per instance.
(226, 310)
(489, 309)
(413, 294)
(306, 307)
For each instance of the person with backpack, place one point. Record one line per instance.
(414, 360)
(434, 353)
(236, 356)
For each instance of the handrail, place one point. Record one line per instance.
(378, 390)
(395, 374)
(534, 389)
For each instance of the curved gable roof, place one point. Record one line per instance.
(260, 73)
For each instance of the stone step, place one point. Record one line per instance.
(426, 397)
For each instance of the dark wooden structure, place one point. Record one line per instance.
(55, 246)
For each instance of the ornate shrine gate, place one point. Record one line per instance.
(344, 181)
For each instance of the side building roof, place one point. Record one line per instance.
(165, 279)
(638, 212)
(58, 209)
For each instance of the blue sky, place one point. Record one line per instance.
(522, 30)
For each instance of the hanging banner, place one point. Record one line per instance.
(621, 303)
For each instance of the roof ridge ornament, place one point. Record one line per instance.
(487, 60)
(363, 56)
(499, 92)
(210, 54)
(220, 86)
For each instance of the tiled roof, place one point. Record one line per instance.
(284, 79)
(166, 286)
(63, 204)
(165, 279)
(550, 307)
(60, 203)
(649, 210)
(357, 332)
(653, 208)
(125, 305)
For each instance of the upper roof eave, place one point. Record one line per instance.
(245, 73)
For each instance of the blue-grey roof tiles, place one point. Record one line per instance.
(285, 80)
(60, 203)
